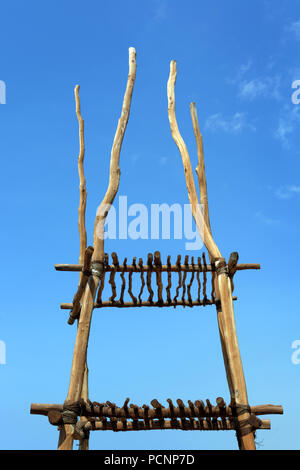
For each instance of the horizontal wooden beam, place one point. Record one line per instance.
(184, 425)
(178, 303)
(163, 268)
(135, 412)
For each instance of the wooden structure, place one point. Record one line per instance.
(78, 415)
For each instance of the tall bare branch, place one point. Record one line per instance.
(82, 183)
(230, 347)
(192, 194)
(200, 169)
(114, 172)
(80, 351)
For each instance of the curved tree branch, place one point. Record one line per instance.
(82, 183)
(192, 194)
(114, 173)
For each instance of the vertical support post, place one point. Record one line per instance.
(200, 170)
(79, 356)
(233, 358)
(82, 242)
(84, 323)
(230, 348)
(226, 326)
(84, 442)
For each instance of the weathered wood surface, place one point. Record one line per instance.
(164, 267)
(184, 425)
(66, 434)
(230, 348)
(84, 442)
(114, 172)
(82, 182)
(186, 291)
(117, 304)
(200, 170)
(233, 361)
(196, 415)
(82, 284)
(192, 194)
(195, 409)
(84, 323)
(232, 267)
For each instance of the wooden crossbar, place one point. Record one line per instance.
(172, 303)
(194, 409)
(144, 271)
(164, 268)
(183, 424)
(130, 417)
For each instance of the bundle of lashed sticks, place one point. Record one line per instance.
(130, 417)
(198, 269)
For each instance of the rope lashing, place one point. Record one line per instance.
(86, 272)
(221, 266)
(245, 426)
(70, 413)
(97, 269)
(222, 270)
(81, 430)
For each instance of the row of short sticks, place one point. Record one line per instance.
(194, 409)
(154, 264)
(102, 416)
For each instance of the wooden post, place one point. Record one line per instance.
(84, 443)
(68, 430)
(232, 359)
(200, 170)
(234, 365)
(232, 263)
(82, 182)
(232, 267)
(54, 410)
(84, 254)
(84, 323)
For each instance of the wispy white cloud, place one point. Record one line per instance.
(293, 73)
(240, 73)
(287, 123)
(286, 192)
(265, 219)
(294, 29)
(284, 129)
(267, 87)
(243, 69)
(235, 124)
(251, 87)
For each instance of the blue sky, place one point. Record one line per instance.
(237, 61)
